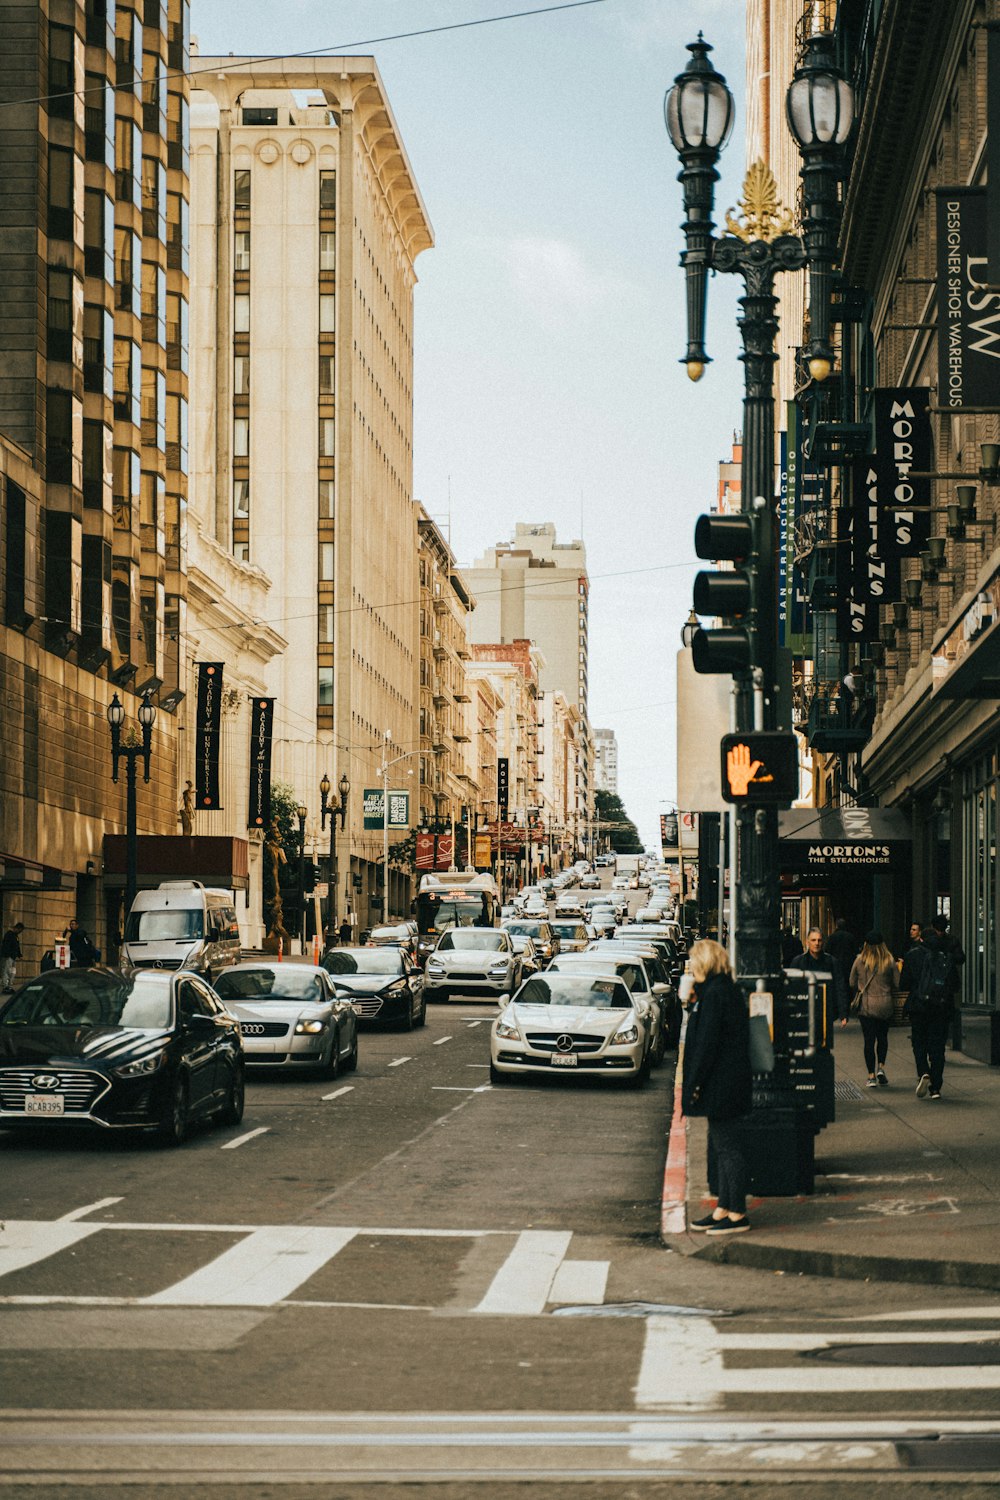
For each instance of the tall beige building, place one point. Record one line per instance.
(306, 224)
(445, 606)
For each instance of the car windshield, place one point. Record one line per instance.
(363, 961)
(573, 989)
(570, 930)
(631, 974)
(525, 929)
(280, 983)
(87, 997)
(174, 924)
(472, 937)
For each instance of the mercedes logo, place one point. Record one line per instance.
(564, 1043)
(45, 1081)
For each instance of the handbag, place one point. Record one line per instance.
(856, 1002)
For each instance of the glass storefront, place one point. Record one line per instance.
(979, 879)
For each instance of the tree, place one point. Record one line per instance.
(283, 805)
(615, 821)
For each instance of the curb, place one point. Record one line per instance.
(673, 1201)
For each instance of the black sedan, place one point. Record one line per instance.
(383, 984)
(149, 1050)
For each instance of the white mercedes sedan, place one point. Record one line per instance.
(570, 1024)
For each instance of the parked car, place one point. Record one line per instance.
(382, 984)
(475, 962)
(619, 883)
(568, 1024)
(659, 960)
(291, 1016)
(149, 1050)
(541, 933)
(603, 919)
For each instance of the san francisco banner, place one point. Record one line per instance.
(261, 730)
(208, 725)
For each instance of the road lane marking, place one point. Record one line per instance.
(470, 1024)
(581, 1281)
(88, 1208)
(241, 1140)
(483, 1067)
(452, 1088)
(399, 1061)
(924, 1315)
(521, 1286)
(265, 1268)
(25, 1241)
(441, 1041)
(346, 1089)
(682, 1365)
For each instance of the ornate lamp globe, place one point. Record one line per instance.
(820, 101)
(699, 108)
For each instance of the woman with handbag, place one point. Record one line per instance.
(718, 1082)
(874, 984)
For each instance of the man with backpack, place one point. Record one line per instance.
(932, 1003)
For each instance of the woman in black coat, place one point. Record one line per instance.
(717, 1082)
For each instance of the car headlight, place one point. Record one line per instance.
(141, 1065)
(308, 1028)
(629, 1034)
(433, 967)
(507, 1032)
(499, 966)
(397, 987)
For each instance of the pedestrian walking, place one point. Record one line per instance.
(932, 970)
(843, 946)
(10, 952)
(819, 960)
(346, 931)
(874, 984)
(717, 1082)
(82, 951)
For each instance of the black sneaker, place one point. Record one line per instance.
(934, 1094)
(723, 1227)
(883, 1082)
(700, 1225)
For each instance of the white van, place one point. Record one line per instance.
(182, 925)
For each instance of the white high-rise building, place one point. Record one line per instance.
(605, 761)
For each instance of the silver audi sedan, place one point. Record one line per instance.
(290, 1016)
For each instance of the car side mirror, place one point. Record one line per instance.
(196, 1020)
(660, 988)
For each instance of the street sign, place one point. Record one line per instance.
(399, 808)
(760, 768)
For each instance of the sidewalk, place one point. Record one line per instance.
(907, 1189)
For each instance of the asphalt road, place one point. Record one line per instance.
(406, 1276)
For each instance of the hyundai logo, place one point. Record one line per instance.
(45, 1081)
(564, 1043)
(252, 1028)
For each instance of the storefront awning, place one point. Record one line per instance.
(820, 840)
(20, 874)
(212, 859)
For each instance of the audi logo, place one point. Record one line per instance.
(252, 1028)
(45, 1081)
(564, 1043)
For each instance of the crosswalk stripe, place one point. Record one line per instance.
(583, 1281)
(524, 1281)
(25, 1241)
(261, 1270)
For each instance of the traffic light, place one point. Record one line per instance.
(727, 596)
(760, 768)
(310, 875)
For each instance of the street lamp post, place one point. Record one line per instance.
(383, 771)
(333, 811)
(757, 246)
(301, 813)
(132, 748)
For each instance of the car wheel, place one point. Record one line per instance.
(422, 1017)
(498, 1079)
(350, 1062)
(331, 1067)
(232, 1111)
(175, 1127)
(639, 1079)
(407, 1023)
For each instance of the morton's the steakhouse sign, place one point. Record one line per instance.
(849, 854)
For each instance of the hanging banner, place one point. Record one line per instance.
(786, 488)
(503, 787)
(993, 150)
(968, 310)
(809, 490)
(208, 724)
(374, 808)
(669, 834)
(875, 573)
(903, 447)
(425, 851)
(484, 851)
(856, 619)
(261, 730)
(445, 851)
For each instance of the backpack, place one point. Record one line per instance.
(938, 980)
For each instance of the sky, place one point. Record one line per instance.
(550, 315)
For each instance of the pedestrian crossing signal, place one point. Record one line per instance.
(760, 769)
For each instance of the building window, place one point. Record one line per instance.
(154, 199)
(99, 235)
(327, 251)
(241, 250)
(98, 346)
(327, 428)
(177, 433)
(326, 624)
(178, 132)
(327, 313)
(59, 437)
(60, 102)
(241, 498)
(326, 687)
(128, 381)
(177, 331)
(59, 315)
(326, 499)
(241, 375)
(260, 117)
(60, 216)
(326, 373)
(154, 97)
(99, 120)
(241, 437)
(241, 190)
(128, 271)
(154, 305)
(241, 551)
(177, 233)
(327, 192)
(128, 32)
(326, 562)
(241, 313)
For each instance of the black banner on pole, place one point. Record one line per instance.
(876, 560)
(503, 787)
(261, 729)
(968, 311)
(857, 619)
(903, 446)
(206, 735)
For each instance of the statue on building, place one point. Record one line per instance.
(186, 810)
(274, 858)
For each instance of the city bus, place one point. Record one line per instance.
(454, 898)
